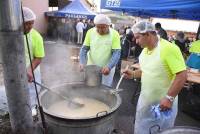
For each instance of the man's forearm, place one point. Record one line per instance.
(115, 58)
(178, 83)
(83, 54)
(35, 63)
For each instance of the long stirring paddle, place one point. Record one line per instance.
(72, 104)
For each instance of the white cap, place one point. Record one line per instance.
(29, 15)
(143, 27)
(102, 19)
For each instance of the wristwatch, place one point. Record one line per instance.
(170, 98)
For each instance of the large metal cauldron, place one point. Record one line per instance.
(182, 130)
(102, 123)
(179, 130)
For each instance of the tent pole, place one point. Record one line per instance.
(198, 33)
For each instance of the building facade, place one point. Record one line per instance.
(38, 7)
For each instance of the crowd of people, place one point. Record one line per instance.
(70, 30)
(132, 49)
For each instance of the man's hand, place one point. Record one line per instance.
(128, 74)
(30, 75)
(35, 63)
(81, 67)
(165, 104)
(105, 70)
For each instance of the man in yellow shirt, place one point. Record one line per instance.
(102, 48)
(163, 74)
(36, 46)
(195, 46)
(193, 60)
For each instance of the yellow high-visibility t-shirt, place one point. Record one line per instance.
(101, 46)
(195, 47)
(35, 44)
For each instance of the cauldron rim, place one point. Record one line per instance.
(113, 109)
(180, 127)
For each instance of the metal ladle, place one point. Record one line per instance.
(117, 90)
(71, 103)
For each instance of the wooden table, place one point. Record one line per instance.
(192, 76)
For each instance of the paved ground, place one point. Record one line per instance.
(57, 68)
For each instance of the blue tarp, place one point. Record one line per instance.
(74, 10)
(181, 9)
